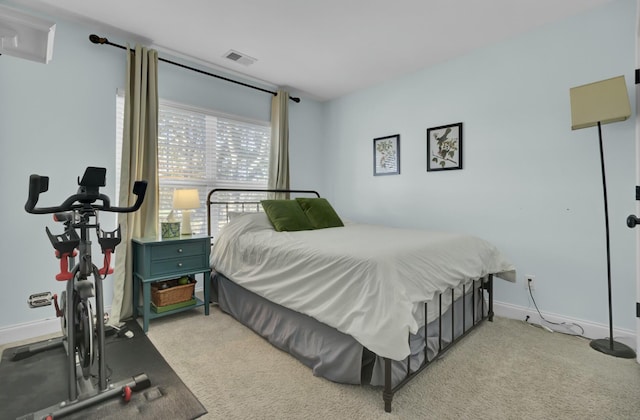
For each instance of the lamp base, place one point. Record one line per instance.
(186, 223)
(603, 345)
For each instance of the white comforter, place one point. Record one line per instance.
(364, 280)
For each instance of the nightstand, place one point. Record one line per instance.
(163, 259)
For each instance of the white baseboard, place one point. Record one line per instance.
(41, 327)
(29, 330)
(32, 329)
(591, 329)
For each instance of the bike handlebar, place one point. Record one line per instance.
(86, 197)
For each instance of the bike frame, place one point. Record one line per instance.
(81, 273)
(85, 205)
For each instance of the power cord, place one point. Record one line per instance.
(567, 325)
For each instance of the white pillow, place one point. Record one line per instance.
(231, 215)
(251, 220)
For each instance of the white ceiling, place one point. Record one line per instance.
(321, 49)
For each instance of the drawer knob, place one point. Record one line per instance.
(179, 264)
(179, 250)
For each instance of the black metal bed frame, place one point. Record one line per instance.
(478, 286)
(485, 283)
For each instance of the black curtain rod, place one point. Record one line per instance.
(100, 40)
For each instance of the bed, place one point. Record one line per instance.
(356, 303)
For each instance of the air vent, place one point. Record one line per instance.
(240, 58)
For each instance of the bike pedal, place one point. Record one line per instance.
(38, 300)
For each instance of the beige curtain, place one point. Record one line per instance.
(279, 155)
(139, 162)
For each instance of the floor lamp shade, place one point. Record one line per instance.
(601, 102)
(594, 104)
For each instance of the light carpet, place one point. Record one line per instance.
(504, 370)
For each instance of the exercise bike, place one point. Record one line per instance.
(83, 330)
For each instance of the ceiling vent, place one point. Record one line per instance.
(239, 58)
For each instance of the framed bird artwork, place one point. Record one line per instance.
(444, 147)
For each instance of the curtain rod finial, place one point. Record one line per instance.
(296, 100)
(97, 40)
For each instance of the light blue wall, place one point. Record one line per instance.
(59, 118)
(530, 185)
(55, 120)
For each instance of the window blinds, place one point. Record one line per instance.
(203, 149)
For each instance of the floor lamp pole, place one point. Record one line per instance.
(609, 346)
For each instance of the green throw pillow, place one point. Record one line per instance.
(320, 213)
(286, 215)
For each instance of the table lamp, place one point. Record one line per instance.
(186, 200)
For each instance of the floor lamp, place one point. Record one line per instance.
(594, 104)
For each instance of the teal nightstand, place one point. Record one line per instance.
(163, 259)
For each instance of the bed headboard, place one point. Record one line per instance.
(223, 201)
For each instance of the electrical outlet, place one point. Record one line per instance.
(530, 282)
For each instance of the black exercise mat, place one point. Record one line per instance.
(40, 381)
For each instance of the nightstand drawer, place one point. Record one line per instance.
(176, 265)
(176, 250)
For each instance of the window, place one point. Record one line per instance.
(203, 149)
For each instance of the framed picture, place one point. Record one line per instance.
(386, 155)
(444, 147)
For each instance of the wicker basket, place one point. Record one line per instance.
(174, 293)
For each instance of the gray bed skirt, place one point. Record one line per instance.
(328, 352)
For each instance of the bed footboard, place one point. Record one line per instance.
(478, 286)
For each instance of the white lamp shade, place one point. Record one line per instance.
(601, 102)
(186, 199)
